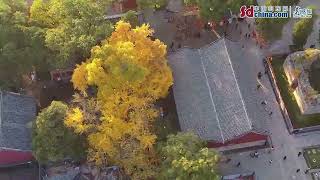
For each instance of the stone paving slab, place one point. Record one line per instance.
(284, 143)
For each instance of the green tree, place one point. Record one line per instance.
(129, 73)
(212, 10)
(131, 17)
(282, 2)
(51, 140)
(72, 27)
(266, 26)
(190, 2)
(154, 4)
(186, 157)
(235, 5)
(289, 2)
(301, 31)
(216, 9)
(20, 47)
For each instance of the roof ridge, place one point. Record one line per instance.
(195, 49)
(238, 88)
(211, 98)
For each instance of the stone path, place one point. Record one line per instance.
(284, 143)
(167, 32)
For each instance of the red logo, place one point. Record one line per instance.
(246, 11)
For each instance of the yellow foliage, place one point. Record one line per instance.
(75, 119)
(79, 78)
(130, 73)
(310, 54)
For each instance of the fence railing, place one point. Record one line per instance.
(276, 90)
(282, 106)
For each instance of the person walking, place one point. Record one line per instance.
(270, 113)
(306, 171)
(299, 154)
(259, 75)
(270, 161)
(285, 157)
(263, 103)
(238, 165)
(298, 170)
(172, 45)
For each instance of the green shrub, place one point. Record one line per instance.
(301, 31)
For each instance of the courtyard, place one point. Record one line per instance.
(284, 143)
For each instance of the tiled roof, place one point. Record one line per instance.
(249, 137)
(208, 97)
(16, 113)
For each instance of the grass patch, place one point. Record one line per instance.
(165, 126)
(312, 157)
(298, 120)
(169, 124)
(314, 75)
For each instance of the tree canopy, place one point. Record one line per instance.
(129, 72)
(20, 47)
(154, 4)
(131, 18)
(301, 31)
(185, 156)
(71, 27)
(52, 141)
(266, 26)
(216, 9)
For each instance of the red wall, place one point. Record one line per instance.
(11, 157)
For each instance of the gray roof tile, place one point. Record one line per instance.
(16, 113)
(207, 94)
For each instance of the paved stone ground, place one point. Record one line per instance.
(284, 143)
(167, 32)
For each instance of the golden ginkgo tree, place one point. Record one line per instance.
(129, 72)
